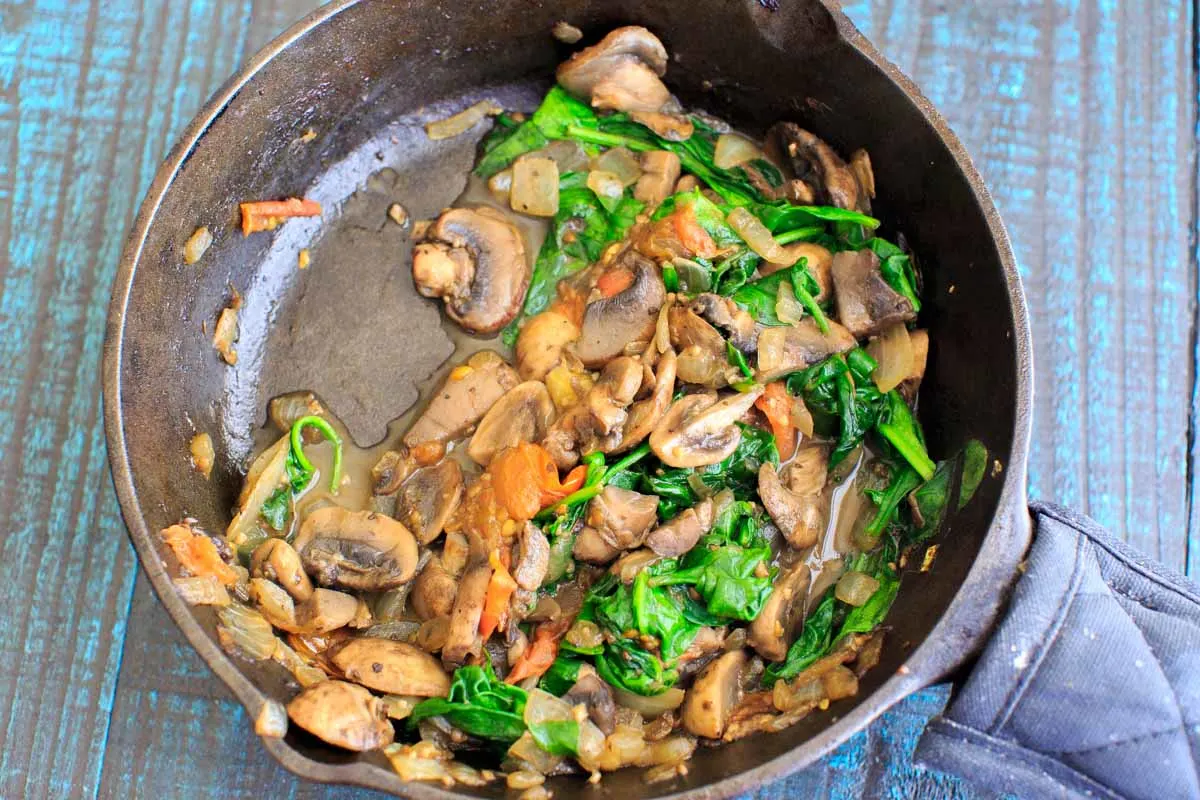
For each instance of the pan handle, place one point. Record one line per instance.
(1089, 685)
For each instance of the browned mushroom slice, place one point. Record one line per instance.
(391, 470)
(676, 537)
(706, 647)
(622, 516)
(428, 498)
(920, 349)
(702, 358)
(801, 518)
(266, 474)
(821, 171)
(809, 470)
(541, 342)
(278, 561)
(469, 391)
(866, 304)
(474, 260)
(789, 348)
(533, 557)
(523, 414)
(567, 435)
(392, 667)
(356, 549)
(621, 72)
(343, 715)
(614, 391)
(463, 639)
(726, 315)
(699, 430)
(711, 699)
(645, 414)
(326, 611)
(433, 591)
(596, 696)
(772, 630)
(660, 170)
(860, 166)
(626, 319)
(592, 548)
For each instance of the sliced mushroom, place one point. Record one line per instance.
(726, 315)
(622, 516)
(541, 342)
(699, 430)
(392, 667)
(278, 561)
(713, 696)
(433, 591)
(860, 166)
(474, 260)
(708, 644)
(801, 518)
(809, 470)
(356, 549)
(790, 348)
(343, 715)
(866, 304)
(523, 414)
(592, 548)
(463, 639)
(533, 557)
(391, 470)
(626, 319)
(469, 391)
(622, 72)
(326, 611)
(275, 604)
(630, 564)
(920, 349)
(456, 550)
(428, 498)
(681, 534)
(820, 175)
(772, 631)
(660, 170)
(645, 414)
(614, 391)
(567, 435)
(596, 696)
(702, 357)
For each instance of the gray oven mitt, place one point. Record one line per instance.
(1090, 685)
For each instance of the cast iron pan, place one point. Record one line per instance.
(364, 75)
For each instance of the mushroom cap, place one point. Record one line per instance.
(463, 638)
(428, 498)
(866, 304)
(463, 399)
(645, 414)
(523, 414)
(622, 516)
(614, 391)
(620, 72)
(816, 164)
(474, 259)
(343, 715)
(772, 630)
(533, 558)
(540, 343)
(278, 561)
(711, 699)
(627, 318)
(392, 667)
(699, 430)
(680, 535)
(356, 549)
(433, 591)
(702, 358)
(790, 348)
(801, 518)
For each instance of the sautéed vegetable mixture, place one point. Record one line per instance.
(667, 505)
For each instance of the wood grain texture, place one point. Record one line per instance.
(1079, 112)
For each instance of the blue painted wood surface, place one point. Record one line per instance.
(1081, 113)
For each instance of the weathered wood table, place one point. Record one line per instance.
(1080, 113)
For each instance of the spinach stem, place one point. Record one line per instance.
(329, 433)
(800, 234)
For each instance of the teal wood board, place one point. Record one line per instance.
(1080, 113)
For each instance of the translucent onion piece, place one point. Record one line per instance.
(734, 150)
(622, 163)
(566, 32)
(893, 352)
(696, 365)
(750, 228)
(545, 707)
(535, 186)
(855, 588)
(204, 590)
(411, 767)
(606, 185)
(569, 155)
(672, 750)
(500, 185)
(462, 121)
(399, 706)
(246, 632)
(272, 720)
(535, 758)
(802, 417)
(196, 245)
(787, 307)
(650, 707)
(662, 329)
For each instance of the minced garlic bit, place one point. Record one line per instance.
(398, 214)
(997, 467)
(226, 332)
(930, 555)
(308, 135)
(462, 121)
(302, 261)
(272, 720)
(566, 33)
(460, 372)
(197, 245)
(203, 454)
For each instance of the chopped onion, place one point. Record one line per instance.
(535, 186)
(693, 278)
(545, 707)
(246, 632)
(569, 155)
(566, 33)
(431, 636)
(411, 767)
(760, 240)
(662, 328)
(855, 588)
(202, 590)
(801, 417)
(500, 185)
(606, 185)
(547, 609)
(733, 150)
(524, 779)
(650, 707)
(622, 163)
(197, 245)
(527, 751)
(272, 720)
(462, 121)
(800, 693)
(399, 706)
(893, 354)
(787, 307)
(697, 365)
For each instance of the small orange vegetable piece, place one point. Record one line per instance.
(614, 282)
(495, 602)
(266, 215)
(540, 653)
(776, 404)
(525, 479)
(197, 553)
(691, 235)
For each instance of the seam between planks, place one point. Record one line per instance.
(1191, 554)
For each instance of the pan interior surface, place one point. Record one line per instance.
(337, 115)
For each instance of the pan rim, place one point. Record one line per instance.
(928, 662)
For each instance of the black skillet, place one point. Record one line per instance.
(363, 75)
